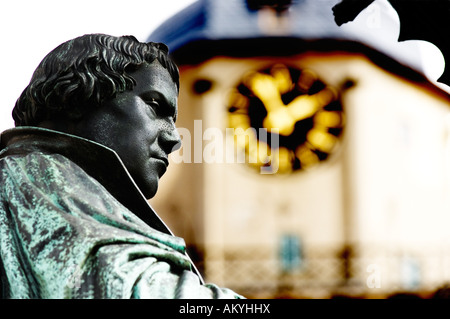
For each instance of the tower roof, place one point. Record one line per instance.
(239, 21)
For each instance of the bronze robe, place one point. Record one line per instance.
(72, 226)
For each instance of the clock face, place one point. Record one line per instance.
(285, 118)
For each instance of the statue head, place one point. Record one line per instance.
(115, 91)
(82, 73)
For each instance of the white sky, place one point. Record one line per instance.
(29, 29)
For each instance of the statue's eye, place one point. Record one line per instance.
(153, 104)
(160, 107)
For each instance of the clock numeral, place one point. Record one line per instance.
(285, 158)
(239, 103)
(306, 80)
(321, 139)
(306, 156)
(329, 118)
(282, 78)
(238, 120)
(258, 153)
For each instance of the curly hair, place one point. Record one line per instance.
(82, 73)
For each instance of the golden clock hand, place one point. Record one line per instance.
(281, 120)
(299, 109)
(306, 106)
(267, 90)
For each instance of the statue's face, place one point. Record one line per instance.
(139, 125)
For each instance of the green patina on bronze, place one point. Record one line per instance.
(63, 235)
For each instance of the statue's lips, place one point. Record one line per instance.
(165, 160)
(161, 164)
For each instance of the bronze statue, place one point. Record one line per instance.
(94, 129)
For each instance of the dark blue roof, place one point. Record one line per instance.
(216, 20)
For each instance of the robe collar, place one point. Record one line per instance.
(97, 160)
